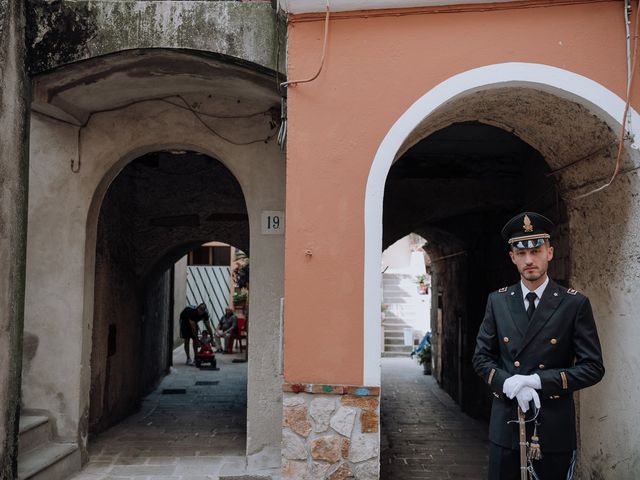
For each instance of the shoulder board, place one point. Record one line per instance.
(571, 291)
(503, 289)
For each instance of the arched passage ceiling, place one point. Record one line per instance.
(74, 92)
(567, 134)
(163, 204)
(458, 175)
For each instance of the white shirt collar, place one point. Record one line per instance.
(538, 291)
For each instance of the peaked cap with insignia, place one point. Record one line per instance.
(527, 230)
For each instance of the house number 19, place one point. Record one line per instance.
(272, 222)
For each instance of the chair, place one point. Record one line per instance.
(239, 335)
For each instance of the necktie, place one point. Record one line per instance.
(531, 297)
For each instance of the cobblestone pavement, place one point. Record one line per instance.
(424, 433)
(198, 435)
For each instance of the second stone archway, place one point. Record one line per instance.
(230, 121)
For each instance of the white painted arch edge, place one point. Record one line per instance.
(555, 80)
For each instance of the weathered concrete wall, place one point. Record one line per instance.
(156, 345)
(14, 102)
(116, 339)
(64, 211)
(605, 243)
(62, 32)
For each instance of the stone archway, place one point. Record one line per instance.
(97, 116)
(571, 121)
(155, 211)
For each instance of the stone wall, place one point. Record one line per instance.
(13, 203)
(330, 432)
(63, 32)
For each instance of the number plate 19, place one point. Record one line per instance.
(272, 222)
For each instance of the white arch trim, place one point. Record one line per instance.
(563, 83)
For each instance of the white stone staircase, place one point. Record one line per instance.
(40, 457)
(403, 308)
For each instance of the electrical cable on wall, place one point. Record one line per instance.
(75, 168)
(324, 50)
(282, 135)
(631, 67)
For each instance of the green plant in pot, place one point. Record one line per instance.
(424, 359)
(239, 298)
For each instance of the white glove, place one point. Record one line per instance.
(525, 395)
(514, 384)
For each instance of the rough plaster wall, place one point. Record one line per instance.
(597, 249)
(63, 32)
(63, 210)
(54, 286)
(264, 388)
(449, 279)
(13, 204)
(156, 335)
(115, 375)
(605, 248)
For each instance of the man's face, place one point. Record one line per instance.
(532, 263)
(201, 309)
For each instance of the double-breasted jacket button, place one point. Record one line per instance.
(517, 364)
(505, 339)
(541, 366)
(554, 341)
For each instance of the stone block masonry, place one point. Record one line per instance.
(330, 432)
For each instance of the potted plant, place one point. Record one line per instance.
(424, 359)
(239, 299)
(421, 280)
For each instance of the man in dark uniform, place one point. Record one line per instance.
(539, 342)
(189, 318)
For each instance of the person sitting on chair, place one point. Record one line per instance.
(227, 326)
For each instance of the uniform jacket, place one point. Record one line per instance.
(560, 343)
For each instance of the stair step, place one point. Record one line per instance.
(52, 461)
(393, 341)
(396, 323)
(34, 431)
(398, 348)
(395, 354)
(398, 300)
(393, 334)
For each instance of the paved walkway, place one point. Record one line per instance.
(201, 434)
(197, 435)
(424, 433)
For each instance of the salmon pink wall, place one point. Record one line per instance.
(375, 68)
